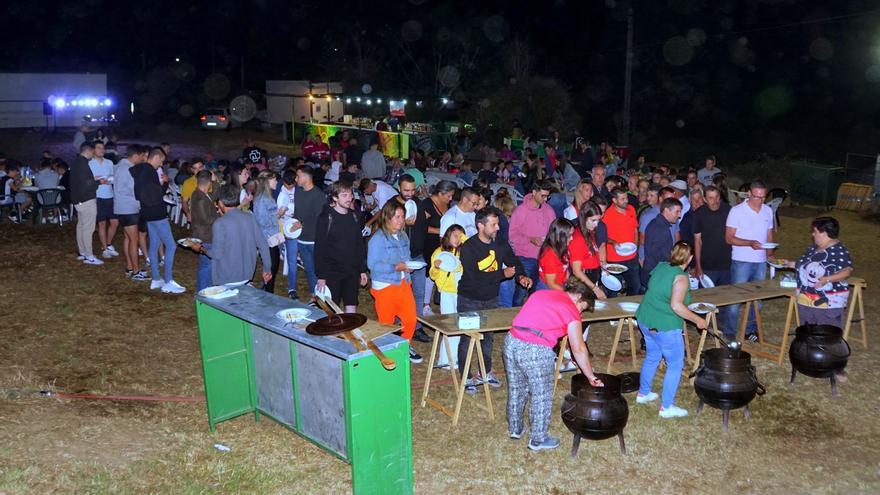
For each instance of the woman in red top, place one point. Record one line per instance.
(553, 257)
(584, 248)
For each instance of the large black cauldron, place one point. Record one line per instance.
(819, 351)
(595, 413)
(726, 380)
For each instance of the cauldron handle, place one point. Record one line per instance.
(848, 348)
(761, 390)
(702, 366)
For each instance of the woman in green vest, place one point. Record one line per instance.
(661, 318)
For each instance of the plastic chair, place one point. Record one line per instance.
(461, 183)
(773, 194)
(48, 199)
(774, 205)
(11, 206)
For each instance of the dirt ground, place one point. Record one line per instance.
(74, 328)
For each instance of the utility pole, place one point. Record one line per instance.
(624, 136)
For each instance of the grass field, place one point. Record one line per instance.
(75, 328)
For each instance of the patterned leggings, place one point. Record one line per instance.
(529, 369)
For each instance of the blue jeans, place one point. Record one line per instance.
(530, 266)
(160, 231)
(746, 271)
(307, 254)
(418, 287)
(668, 345)
(726, 318)
(203, 275)
(290, 246)
(505, 293)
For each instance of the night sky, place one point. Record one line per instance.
(767, 73)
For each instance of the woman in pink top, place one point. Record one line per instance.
(529, 360)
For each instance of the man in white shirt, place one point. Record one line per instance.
(749, 227)
(380, 192)
(707, 174)
(462, 213)
(102, 168)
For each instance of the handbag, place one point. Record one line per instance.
(277, 238)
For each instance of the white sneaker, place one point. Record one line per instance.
(80, 258)
(673, 412)
(173, 287)
(112, 250)
(107, 253)
(156, 284)
(427, 311)
(644, 399)
(91, 260)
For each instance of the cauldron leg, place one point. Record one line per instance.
(834, 392)
(725, 417)
(700, 407)
(575, 444)
(746, 412)
(622, 443)
(793, 373)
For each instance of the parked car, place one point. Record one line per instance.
(215, 118)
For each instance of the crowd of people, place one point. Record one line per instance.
(350, 218)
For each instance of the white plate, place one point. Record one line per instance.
(410, 209)
(626, 248)
(287, 226)
(630, 307)
(448, 261)
(218, 292)
(416, 265)
(599, 304)
(694, 307)
(616, 266)
(706, 282)
(293, 315)
(188, 241)
(323, 294)
(611, 282)
(770, 245)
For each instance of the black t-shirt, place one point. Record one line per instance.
(711, 225)
(417, 231)
(353, 154)
(253, 154)
(482, 268)
(432, 241)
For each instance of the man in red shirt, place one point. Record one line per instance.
(623, 226)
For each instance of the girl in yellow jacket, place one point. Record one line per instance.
(447, 283)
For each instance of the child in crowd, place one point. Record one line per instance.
(447, 283)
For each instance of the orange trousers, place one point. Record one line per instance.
(397, 301)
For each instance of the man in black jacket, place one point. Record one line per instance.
(485, 263)
(416, 229)
(340, 251)
(83, 187)
(149, 192)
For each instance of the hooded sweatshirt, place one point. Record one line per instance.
(528, 221)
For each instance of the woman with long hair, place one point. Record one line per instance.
(553, 257)
(239, 175)
(584, 248)
(387, 257)
(435, 206)
(265, 210)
